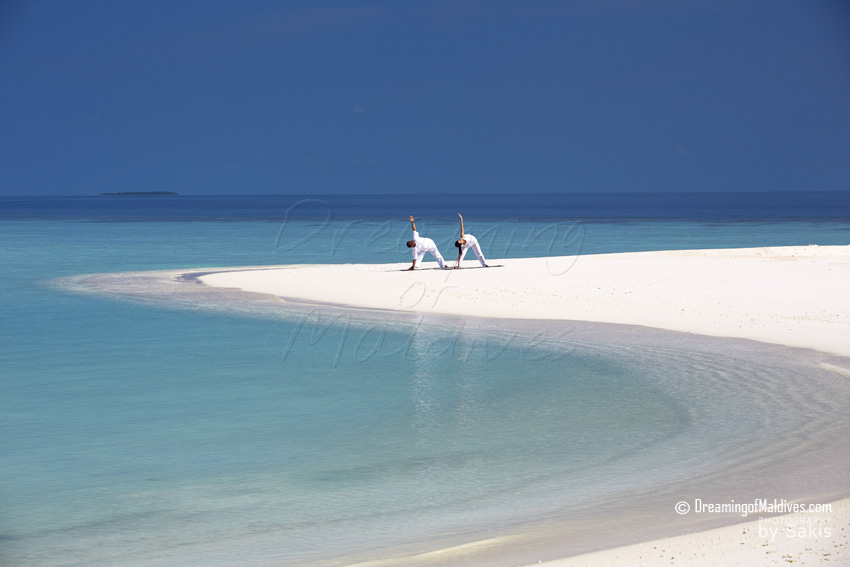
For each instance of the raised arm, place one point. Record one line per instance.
(459, 240)
(412, 224)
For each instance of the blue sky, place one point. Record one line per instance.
(214, 97)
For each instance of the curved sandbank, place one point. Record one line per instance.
(792, 295)
(795, 296)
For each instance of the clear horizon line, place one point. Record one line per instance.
(433, 193)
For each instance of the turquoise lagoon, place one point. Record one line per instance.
(146, 424)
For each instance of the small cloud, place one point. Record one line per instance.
(359, 110)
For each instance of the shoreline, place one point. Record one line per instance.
(792, 296)
(645, 290)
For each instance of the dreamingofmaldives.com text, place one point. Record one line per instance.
(758, 506)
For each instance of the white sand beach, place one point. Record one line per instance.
(794, 296)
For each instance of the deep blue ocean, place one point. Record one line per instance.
(158, 434)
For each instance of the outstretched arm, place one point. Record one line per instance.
(461, 224)
(412, 224)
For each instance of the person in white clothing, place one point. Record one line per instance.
(422, 245)
(464, 243)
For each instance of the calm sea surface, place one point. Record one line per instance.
(166, 433)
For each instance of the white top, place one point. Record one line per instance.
(471, 242)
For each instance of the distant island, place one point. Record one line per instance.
(144, 193)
